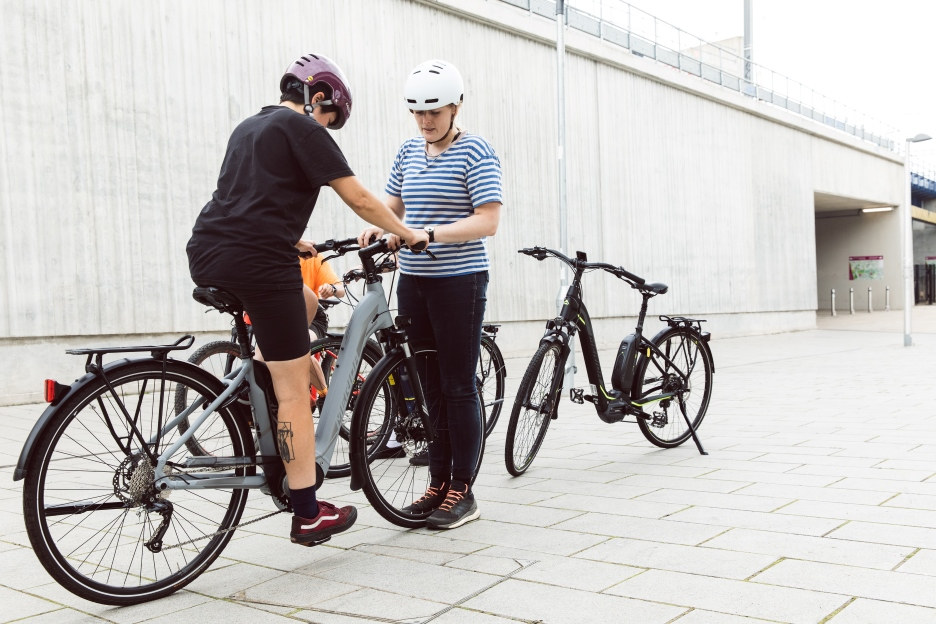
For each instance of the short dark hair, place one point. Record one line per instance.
(294, 94)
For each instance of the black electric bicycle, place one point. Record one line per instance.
(664, 383)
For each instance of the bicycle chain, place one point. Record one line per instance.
(221, 531)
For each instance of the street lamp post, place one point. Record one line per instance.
(907, 227)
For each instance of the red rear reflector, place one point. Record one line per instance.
(54, 391)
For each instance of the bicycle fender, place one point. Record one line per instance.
(48, 415)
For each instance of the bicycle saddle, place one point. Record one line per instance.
(220, 300)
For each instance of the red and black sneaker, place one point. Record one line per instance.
(329, 521)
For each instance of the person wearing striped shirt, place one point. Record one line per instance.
(446, 181)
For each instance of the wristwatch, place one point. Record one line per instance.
(431, 232)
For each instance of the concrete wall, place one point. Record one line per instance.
(673, 177)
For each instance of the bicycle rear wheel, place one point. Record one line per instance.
(533, 408)
(326, 349)
(688, 373)
(386, 405)
(93, 515)
(491, 378)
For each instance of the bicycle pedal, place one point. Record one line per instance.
(576, 395)
(319, 542)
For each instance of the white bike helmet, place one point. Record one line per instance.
(433, 84)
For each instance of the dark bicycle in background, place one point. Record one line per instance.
(664, 383)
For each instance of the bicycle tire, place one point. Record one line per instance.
(95, 547)
(492, 379)
(327, 349)
(390, 484)
(532, 408)
(686, 349)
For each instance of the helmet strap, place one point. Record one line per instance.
(447, 132)
(309, 106)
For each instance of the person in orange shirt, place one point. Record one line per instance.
(321, 282)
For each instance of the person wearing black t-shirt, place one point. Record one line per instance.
(245, 240)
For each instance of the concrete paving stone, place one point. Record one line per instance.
(61, 616)
(823, 549)
(864, 611)
(828, 494)
(577, 573)
(565, 464)
(20, 569)
(710, 499)
(882, 514)
(909, 464)
(516, 496)
(586, 476)
(17, 605)
(228, 580)
(729, 596)
(609, 504)
(912, 476)
(669, 531)
(561, 486)
(273, 552)
(700, 616)
(295, 591)
(922, 562)
(697, 484)
(372, 603)
(896, 535)
(886, 485)
(532, 515)
(818, 460)
(178, 601)
(902, 587)
(222, 611)
(409, 578)
(461, 615)
(497, 561)
(784, 478)
(879, 450)
(534, 602)
(554, 540)
(777, 521)
(422, 555)
(764, 447)
(692, 559)
(663, 470)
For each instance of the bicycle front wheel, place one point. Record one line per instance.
(326, 350)
(491, 377)
(533, 408)
(387, 409)
(93, 514)
(687, 372)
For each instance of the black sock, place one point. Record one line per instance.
(304, 502)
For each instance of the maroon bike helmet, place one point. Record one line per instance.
(311, 68)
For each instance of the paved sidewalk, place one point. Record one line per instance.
(817, 503)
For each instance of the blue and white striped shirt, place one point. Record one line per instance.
(441, 190)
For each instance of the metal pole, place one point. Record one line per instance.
(869, 300)
(569, 378)
(851, 300)
(887, 298)
(748, 41)
(906, 228)
(833, 302)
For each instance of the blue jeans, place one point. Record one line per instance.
(446, 313)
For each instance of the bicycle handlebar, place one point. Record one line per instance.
(541, 253)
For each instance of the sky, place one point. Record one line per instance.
(877, 58)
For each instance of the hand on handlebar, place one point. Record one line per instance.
(417, 240)
(369, 235)
(306, 248)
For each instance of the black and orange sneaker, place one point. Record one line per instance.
(429, 501)
(458, 508)
(329, 521)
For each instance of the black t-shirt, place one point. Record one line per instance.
(275, 164)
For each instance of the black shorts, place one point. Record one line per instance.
(279, 321)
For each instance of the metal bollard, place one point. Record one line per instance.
(851, 300)
(887, 298)
(869, 299)
(833, 302)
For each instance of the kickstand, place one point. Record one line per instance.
(695, 438)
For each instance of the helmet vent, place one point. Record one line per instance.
(432, 71)
(432, 101)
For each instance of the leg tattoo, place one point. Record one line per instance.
(285, 439)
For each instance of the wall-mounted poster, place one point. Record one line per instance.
(865, 267)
